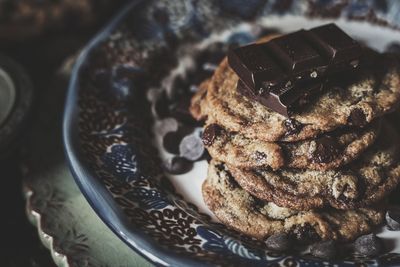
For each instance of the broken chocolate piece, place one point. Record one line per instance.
(283, 101)
(254, 66)
(369, 245)
(279, 242)
(393, 219)
(335, 44)
(210, 134)
(324, 250)
(281, 71)
(295, 53)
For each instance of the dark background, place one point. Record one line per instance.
(40, 51)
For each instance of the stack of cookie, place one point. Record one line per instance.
(321, 172)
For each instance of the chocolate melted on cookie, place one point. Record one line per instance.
(325, 150)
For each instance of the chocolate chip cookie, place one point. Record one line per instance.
(329, 151)
(356, 100)
(241, 211)
(363, 182)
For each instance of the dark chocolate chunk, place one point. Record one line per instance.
(161, 106)
(296, 54)
(283, 101)
(206, 156)
(254, 65)
(210, 134)
(292, 126)
(393, 48)
(171, 142)
(178, 165)
(281, 71)
(191, 147)
(324, 250)
(180, 110)
(369, 245)
(325, 150)
(180, 87)
(231, 182)
(335, 44)
(305, 233)
(279, 242)
(357, 118)
(393, 219)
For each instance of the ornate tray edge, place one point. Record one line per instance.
(36, 218)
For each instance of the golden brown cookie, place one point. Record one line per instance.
(361, 183)
(239, 210)
(329, 151)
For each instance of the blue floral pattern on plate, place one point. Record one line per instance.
(108, 139)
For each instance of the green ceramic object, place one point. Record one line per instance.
(66, 223)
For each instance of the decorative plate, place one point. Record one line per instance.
(112, 138)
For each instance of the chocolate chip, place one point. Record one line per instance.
(325, 150)
(357, 118)
(393, 48)
(292, 126)
(179, 88)
(180, 110)
(393, 219)
(279, 242)
(369, 245)
(206, 156)
(305, 233)
(171, 142)
(191, 147)
(210, 133)
(324, 250)
(230, 181)
(161, 106)
(232, 184)
(178, 165)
